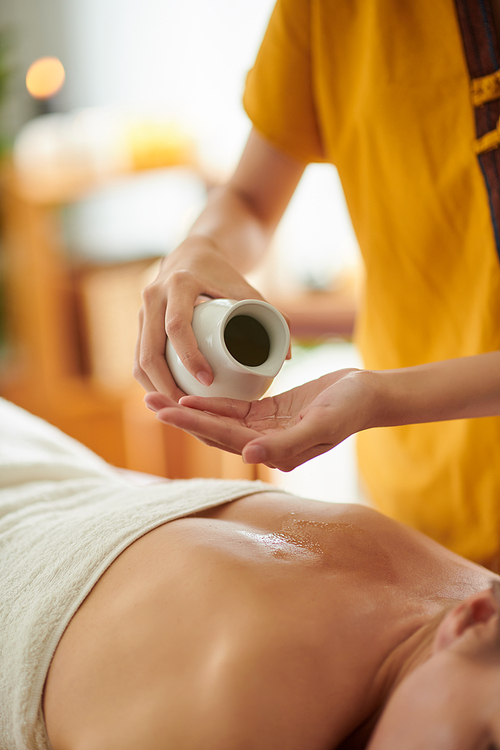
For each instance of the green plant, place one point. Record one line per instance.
(5, 76)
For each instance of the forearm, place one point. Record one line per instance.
(233, 229)
(451, 389)
(240, 218)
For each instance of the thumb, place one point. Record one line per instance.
(279, 447)
(254, 453)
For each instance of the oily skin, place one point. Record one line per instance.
(272, 621)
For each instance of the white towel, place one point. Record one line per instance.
(65, 515)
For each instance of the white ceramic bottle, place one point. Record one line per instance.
(245, 344)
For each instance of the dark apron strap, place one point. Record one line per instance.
(481, 52)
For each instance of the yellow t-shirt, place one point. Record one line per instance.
(382, 89)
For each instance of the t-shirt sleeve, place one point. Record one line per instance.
(278, 96)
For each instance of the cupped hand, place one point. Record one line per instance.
(195, 269)
(281, 431)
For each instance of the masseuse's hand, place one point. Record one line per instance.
(282, 431)
(195, 268)
(231, 235)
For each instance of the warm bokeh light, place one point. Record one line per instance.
(45, 77)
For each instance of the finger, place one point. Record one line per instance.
(285, 462)
(289, 463)
(289, 352)
(178, 316)
(232, 436)
(151, 352)
(137, 370)
(156, 401)
(224, 407)
(281, 448)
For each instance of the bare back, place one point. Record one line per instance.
(259, 624)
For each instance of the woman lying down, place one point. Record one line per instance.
(220, 615)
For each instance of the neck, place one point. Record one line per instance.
(413, 650)
(411, 653)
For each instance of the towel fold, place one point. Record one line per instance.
(65, 515)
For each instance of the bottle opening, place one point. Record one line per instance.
(247, 340)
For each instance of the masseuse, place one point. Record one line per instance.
(403, 99)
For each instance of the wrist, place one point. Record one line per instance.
(195, 252)
(399, 397)
(365, 396)
(376, 397)
(197, 245)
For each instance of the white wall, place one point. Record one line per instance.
(182, 58)
(187, 60)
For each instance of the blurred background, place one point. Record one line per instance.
(116, 120)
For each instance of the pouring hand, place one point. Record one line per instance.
(191, 271)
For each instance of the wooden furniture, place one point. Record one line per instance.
(43, 371)
(47, 368)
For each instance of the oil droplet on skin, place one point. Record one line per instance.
(343, 546)
(274, 543)
(309, 536)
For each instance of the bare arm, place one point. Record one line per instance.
(241, 218)
(451, 389)
(227, 240)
